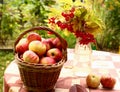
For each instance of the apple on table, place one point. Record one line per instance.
(93, 80)
(108, 81)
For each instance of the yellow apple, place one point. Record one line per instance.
(38, 47)
(93, 80)
(30, 57)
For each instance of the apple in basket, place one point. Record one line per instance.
(48, 43)
(55, 53)
(30, 57)
(57, 43)
(38, 47)
(22, 46)
(108, 81)
(47, 61)
(93, 80)
(33, 36)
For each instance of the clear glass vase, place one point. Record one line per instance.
(82, 59)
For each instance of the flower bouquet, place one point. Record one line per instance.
(77, 18)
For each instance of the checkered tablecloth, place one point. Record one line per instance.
(102, 62)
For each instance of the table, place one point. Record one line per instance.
(102, 62)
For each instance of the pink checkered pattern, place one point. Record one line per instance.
(103, 62)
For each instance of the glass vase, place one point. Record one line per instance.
(82, 59)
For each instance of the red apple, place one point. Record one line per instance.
(33, 36)
(57, 43)
(108, 81)
(22, 46)
(47, 61)
(38, 47)
(48, 43)
(55, 53)
(93, 80)
(30, 56)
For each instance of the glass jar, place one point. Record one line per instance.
(82, 59)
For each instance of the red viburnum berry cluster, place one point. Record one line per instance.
(67, 24)
(85, 37)
(68, 15)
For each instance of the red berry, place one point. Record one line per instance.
(59, 23)
(62, 26)
(52, 20)
(69, 27)
(64, 14)
(67, 18)
(71, 15)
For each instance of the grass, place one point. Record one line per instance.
(5, 58)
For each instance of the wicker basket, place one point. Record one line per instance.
(37, 77)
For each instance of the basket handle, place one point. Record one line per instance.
(63, 41)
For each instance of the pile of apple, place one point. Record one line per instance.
(106, 80)
(34, 49)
